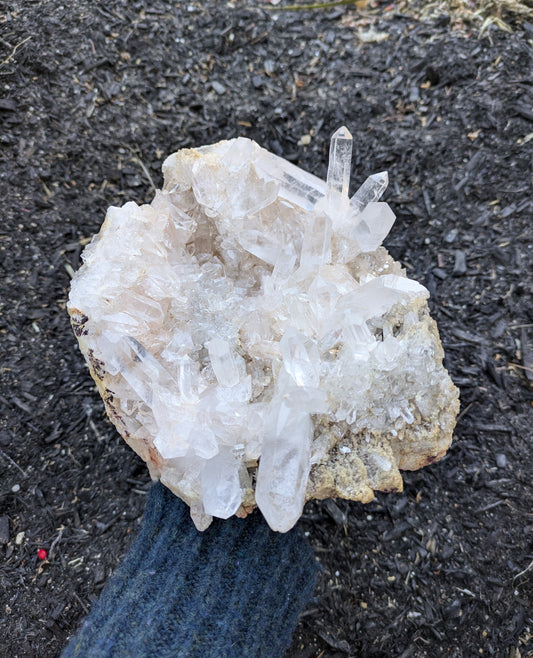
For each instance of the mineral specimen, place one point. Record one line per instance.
(254, 343)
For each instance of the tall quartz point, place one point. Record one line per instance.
(254, 343)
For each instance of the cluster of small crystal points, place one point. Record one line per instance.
(239, 312)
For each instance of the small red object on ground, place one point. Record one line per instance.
(42, 554)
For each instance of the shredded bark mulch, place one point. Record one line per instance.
(93, 96)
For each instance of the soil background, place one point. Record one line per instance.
(93, 96)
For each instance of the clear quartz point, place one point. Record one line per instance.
(339, 168)
(221, 485)
(296, 186)
(373, 225)
(371, 190)
(284, 266)
(223, 362)
(260, 245)
(316, 247)
(300, 358)
(359, 340)
(141, 370)
(185, 379)
(284, 467)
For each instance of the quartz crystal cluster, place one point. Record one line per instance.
(254, 343)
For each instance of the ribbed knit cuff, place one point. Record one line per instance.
(232, 591)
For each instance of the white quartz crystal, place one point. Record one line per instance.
(252, 340)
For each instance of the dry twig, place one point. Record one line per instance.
(13, 52)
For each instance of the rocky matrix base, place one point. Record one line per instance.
(254, 343)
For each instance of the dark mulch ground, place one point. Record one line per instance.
(92, 97)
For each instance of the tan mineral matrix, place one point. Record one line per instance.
(254, 343)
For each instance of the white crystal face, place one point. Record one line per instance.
(246, 327)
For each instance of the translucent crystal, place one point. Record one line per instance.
(375, 297)
(373, 226)
(296, 185)
(338, 180)
(359, 339)
(284, 265)
(316, 248)
(221, 485)
(300, 358)
(260, 245)
(173, 442)
(370, 191)
(186, 380)
(252, 340)
(223, 362)
(284, 467)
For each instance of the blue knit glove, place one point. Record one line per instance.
(233, 591)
